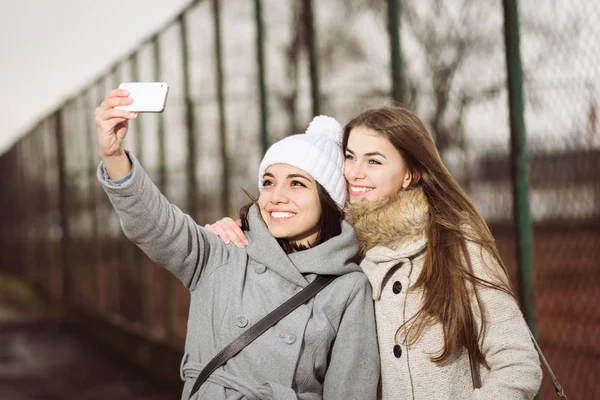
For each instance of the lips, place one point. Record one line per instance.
(359, 190)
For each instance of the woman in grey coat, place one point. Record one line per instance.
(326, 348)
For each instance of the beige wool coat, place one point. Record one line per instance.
(393, 233)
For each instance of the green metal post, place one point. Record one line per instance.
(313, 59)
(160, 128)
(225, 178)
(145, 273)
(92, 190)
(63, 193)
(398, 84)
(103, 258)
(115, 76)
(24, 206)
(520, 163)
(122, 246)
(192, 185)
(31, 264)
(42, 247)
(75, 175)
(139, 138)
(260, 58)
(162, 168)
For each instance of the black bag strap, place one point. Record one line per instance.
(260, 327)
(475, 373)
(557, 386)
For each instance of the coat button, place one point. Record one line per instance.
(397, 287)
(260, 269)
(289, 338)
(241, 322)
(397, 351)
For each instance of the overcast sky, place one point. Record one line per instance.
(51, 48)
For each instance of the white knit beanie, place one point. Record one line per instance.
(318, 152)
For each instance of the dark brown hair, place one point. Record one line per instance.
(447, 278)
(330, 223)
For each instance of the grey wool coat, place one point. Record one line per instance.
(325, 349)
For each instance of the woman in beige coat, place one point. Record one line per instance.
(448, 323)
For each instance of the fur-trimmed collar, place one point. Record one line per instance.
(393, 222)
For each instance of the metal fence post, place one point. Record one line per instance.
(260, 59)
(145, 272)
(163, 185)
(192, 181)
(160, 123)
(519, 163)
(139, 139)
(216, 7)
(63, 193)
(313, 58)
(398, 84)
(92, 188)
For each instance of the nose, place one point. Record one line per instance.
(353, 171)
(279, 195)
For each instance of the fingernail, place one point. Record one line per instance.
(239, 245)
(126, 92)
(246, 242)
(132, 115)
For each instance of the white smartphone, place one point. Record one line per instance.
(147, 96)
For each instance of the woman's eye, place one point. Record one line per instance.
(298, 183)
(267, 183)
(349, 157)
(375, 162)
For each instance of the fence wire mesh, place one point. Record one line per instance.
(63, 236)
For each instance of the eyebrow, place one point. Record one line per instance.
(288, 177)
(373, 153)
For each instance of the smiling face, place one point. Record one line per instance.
(374, 168)
(289, 204)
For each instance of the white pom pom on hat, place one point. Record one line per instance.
(318, 152)
(328, 126)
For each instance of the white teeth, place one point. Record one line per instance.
(279, 215)
(360, 189)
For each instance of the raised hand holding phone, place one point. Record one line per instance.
(112, 120)
(112, 126)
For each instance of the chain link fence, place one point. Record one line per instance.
(59, 231)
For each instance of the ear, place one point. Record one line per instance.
(408, 177)
(411, 178)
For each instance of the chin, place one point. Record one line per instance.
(357, 199)
(278, 234)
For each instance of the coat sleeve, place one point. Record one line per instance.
(354, 367)
(167, 235)
(514, 366)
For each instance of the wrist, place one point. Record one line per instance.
(112, 156)
(117, 165)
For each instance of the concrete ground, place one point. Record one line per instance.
(41, 359)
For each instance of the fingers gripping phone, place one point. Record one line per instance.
(147, 96)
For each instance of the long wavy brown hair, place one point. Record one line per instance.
(447, 279)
